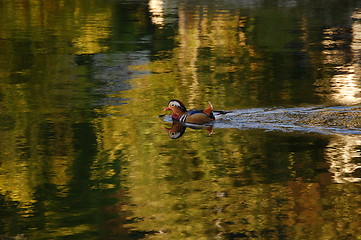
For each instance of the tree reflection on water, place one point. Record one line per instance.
(84, 155)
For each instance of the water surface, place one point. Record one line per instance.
(84, 154)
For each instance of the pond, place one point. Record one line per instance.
(86, 148)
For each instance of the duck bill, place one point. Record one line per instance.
(167, 108)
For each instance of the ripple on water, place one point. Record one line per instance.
(320, 119)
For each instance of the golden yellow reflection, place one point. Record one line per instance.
(342, 153)
(345, 84)
(15, 182)
(156, 9)
(94, 30)
(31, 102)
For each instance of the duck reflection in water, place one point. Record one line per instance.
(195, 119)
(178, 129)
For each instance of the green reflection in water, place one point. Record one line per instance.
(211, 186)
(76, 162)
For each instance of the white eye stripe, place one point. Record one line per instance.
(173, 104)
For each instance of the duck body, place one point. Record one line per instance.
(180, 113)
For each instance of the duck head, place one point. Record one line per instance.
(177, 107)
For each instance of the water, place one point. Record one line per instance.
(85, 155)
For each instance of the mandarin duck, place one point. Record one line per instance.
(180, 113)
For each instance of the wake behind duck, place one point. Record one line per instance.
(319, 119)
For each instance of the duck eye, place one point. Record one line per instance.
(172, 105)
